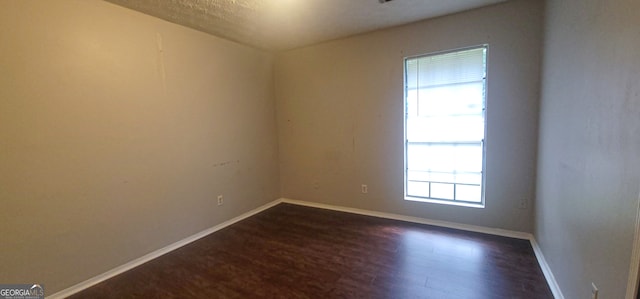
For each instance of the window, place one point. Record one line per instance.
(445, 127)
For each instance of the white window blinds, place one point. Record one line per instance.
(445, 125)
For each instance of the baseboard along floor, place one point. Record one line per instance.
(294, 251)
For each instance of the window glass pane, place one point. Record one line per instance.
(443, 177)
(412, 73)
(455, 67)
(420, 189)
(442, 158)
(469, 178)
(445, 125)
(442, 191)
(451, 100)
(412, 103)
(468, 157)
(441, 129)
(468, 193)
(419, 157)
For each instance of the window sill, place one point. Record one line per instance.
(446, 202)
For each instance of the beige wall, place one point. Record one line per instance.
(111, 148)
(100, 161)
(589, 161)
(340, 114)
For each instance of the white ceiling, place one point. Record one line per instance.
(286, 24)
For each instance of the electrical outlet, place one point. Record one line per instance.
(365, 189)
(220, 200)
(594, 291)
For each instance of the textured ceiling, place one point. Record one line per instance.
(286, 24)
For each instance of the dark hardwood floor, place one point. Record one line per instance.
(292, 251)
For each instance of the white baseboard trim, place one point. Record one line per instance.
(155, 254)
(634, 267)
(465, 227)
(551, 281)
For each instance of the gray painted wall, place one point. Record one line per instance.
(93, 142)
(100, 161)
(589, 161)
(340, 114)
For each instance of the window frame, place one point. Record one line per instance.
(453, 202)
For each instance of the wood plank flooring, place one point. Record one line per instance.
(292, 251)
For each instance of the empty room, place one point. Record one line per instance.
(320, 149)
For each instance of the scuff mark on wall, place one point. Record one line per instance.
(225, 163)
(161, 68)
